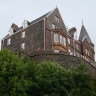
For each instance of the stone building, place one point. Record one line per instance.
(49, 32)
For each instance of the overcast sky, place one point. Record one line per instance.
(72, 12)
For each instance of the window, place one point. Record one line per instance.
(23, 34)
(69, 50)
(53, 26)
(23, 45)
(77, 46)
(68, 41)
(56, 38)
(57, 19)
(56, 51)
(9, 41)
(92, 47)
(61, 39)
(87, 52)
(64, 41)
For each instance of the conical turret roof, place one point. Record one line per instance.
(84, 34)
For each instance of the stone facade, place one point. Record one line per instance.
(49, 33)
(63, 58)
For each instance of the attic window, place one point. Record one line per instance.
(57, 19)
(53, 26)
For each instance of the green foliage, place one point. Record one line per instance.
(22, 77)
(12, 75)
(53, 80)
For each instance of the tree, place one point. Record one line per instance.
(12, 75)
(22, 77)
(53, 80)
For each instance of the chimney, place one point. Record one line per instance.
(72, 32)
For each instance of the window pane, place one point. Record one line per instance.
(23, 34)
(77, 46)
(61, 39)
(68, 41)
(23, 45)
(64, 41)
(56, 38)
(8, 41)
(56, 51)
(53, 26)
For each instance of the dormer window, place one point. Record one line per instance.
(23, 34)
(25, 24)
(9, 41)
(10, 31)
(53, 26)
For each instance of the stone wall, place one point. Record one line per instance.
(63, 58)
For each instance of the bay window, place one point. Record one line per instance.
(56, 39)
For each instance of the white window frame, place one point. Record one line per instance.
(64, 41)
(87, 52)
(61, 39)
(68, 41)
(57, 19)
(23, 45)
(23, 34)
(53, 26)
(9, 41)
(69, 50)
(55, 38)
(77, 46)
(56, 51)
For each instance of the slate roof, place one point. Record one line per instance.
(39, 18)
(84, 34)
(30, 23)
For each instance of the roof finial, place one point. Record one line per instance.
(82, 22)
(56, 6)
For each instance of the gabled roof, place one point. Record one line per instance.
(36, 20)
(40, 18)
(84, 34)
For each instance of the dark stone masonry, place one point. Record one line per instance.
(63, 58)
